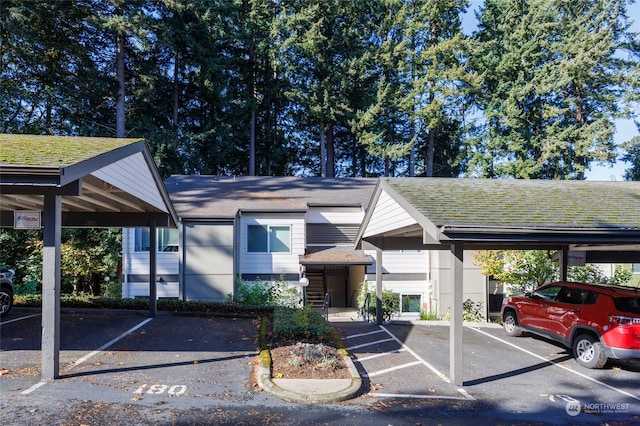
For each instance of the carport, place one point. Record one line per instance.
(51, 182)
(601, 220)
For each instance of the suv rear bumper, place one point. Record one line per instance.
(620, 353)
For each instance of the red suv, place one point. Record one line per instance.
(597, 321)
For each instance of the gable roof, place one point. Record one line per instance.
(489, 211)
(215, 197)
(567, 204)
(103, 181)
(54, 151)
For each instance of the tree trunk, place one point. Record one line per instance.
(330, 152)
(412, 152)
(430, 152)
(120, 109)
(176, 88)
(323, 162)
(252, 123)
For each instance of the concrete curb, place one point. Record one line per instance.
(310, 391)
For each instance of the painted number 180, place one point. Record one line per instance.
(160, 389)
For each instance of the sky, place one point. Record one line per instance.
(625, 129)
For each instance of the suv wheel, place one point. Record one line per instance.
(589, 352)
(510, 324)
(6, 301)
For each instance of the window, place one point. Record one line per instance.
(635, 268)
(167, 239)
(268, 239)
(575, 296)
(410, 303)
(548, 293)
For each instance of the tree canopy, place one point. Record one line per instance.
(328, 88)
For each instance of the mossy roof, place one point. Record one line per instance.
(523, 203)
(54, 151)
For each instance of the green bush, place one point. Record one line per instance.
(471, 312)
(166, 305)
(295, 324)
(429, 315)
(390, 303)
(263, 293)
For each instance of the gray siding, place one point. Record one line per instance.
(329, 234)
(207, 262)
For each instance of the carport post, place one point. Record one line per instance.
(153, 286)
(564, 262)
(378, 286)
(455, 330)
(52, 231)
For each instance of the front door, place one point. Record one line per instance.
(337, 282)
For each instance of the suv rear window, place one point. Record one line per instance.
(628, 304)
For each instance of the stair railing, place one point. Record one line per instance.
(365, 307)
(325, 306)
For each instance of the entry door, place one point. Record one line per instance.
(337, 279)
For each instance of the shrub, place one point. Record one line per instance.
(428, 315)
(264, 293)
(471, 312)
(390, 303)
(166, 305)
(295, 324)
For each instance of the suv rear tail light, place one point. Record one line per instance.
(621, 320)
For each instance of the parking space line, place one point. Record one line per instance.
(367, 358)
(429, 366)
(364, 345)
(353, 336)
(19, 319)
(417, 396)
(32, 388)
(106, 345)
(558, 365)
(465, 394)
(387, 370)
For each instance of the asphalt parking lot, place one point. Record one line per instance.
(128, 369)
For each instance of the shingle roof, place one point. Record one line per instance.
(340, 255)
(523, 203)
(54, 151)
(222, 197)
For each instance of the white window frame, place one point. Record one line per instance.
(402, 306)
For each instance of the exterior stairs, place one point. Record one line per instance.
(315, 291)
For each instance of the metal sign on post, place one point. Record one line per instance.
(27, 219)
(576, 257)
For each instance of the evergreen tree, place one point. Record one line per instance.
(554, 80)
(632, 155)
(49, 80)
